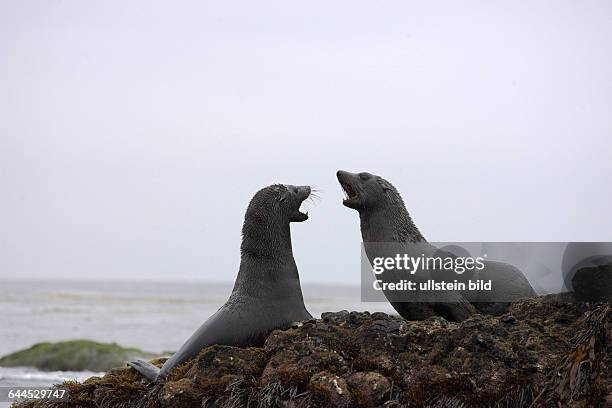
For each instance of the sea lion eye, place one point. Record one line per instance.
(364, 176)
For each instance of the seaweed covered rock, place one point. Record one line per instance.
(73, 355)
(545, 352)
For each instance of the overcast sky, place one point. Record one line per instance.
(133, 134)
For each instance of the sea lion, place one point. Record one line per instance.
(267, 293)
(384, 219)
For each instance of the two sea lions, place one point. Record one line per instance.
(384, 219)
(267, 293)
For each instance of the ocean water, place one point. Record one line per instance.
(153, 316)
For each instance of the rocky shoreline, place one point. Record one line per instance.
(547, 351)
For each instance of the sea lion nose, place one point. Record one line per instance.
(345, 176)
(305, 189)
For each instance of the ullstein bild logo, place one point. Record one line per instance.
(485, 271)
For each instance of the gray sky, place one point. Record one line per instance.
(133, 134)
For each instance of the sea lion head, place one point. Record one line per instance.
(282, 200)
(265, 231)
(370, 194)
(291, 200)
(366, 191)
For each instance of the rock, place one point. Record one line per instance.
(547, 351)
(181, 393)
(330, 388)
(74, 355)
(369, 388)
(217, 366)
(508, 319)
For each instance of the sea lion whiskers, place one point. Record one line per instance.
(314, 197)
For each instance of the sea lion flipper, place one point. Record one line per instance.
(218, 329)
(457, 309)
(145, 368)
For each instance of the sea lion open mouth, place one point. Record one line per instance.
(303, 193)
(350, 193)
